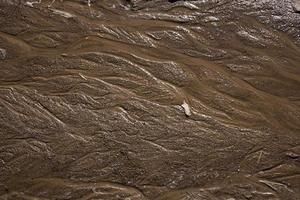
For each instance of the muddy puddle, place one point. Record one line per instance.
(149, 100)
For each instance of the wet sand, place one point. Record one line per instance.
(149, 100)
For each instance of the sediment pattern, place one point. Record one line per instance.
(91, 100)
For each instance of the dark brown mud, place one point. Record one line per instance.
(149, 100)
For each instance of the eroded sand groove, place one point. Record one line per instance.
(149, 100)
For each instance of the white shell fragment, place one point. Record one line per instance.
(82, 76)
(30, 4)
(186, 108)
(62, 13)
(2, 54)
